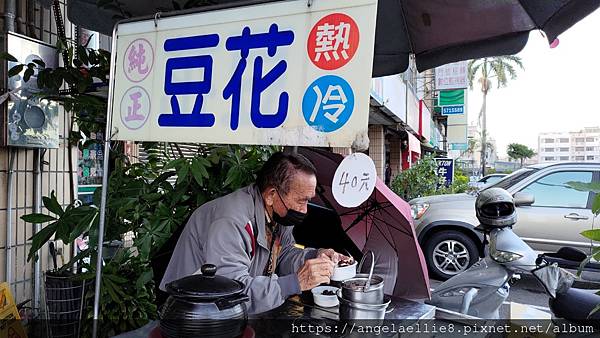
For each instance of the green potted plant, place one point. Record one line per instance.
(147, 200)
(592, 234)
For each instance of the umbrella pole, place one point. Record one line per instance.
(107, 138)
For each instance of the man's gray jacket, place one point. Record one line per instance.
(219, 233)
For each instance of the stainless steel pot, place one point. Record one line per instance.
(204, 305)
(364, 288)
(353, 310)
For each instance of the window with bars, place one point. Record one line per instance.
(37, 22)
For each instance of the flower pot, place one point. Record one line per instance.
(64, 300)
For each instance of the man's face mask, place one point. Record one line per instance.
(292, 217)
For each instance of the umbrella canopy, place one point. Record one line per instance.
(436, 32)
(382, 224)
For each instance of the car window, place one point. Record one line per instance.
(510, 180)
(494, 179)
(552, 190)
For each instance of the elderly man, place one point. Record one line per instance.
(248, 236)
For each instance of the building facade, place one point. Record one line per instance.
(470, 158)
(402, 127)
(577, 146)
(26, 173)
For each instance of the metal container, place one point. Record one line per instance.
(364, 288)
(354, 289)
(204, 305)
(352, 310)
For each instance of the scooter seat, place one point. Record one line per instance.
(575, 305)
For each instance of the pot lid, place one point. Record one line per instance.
(207, 286)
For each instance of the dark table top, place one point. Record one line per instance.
(303, 307)
(300, 310)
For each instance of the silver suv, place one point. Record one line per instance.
(550, 215)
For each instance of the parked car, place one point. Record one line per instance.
(550, 215)
(486, 180)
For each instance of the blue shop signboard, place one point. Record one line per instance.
(445, 171)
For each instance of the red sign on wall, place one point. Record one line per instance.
(333, 41)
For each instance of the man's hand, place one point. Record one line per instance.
(314, 272)
(330, 254)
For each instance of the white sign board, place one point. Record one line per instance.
(279, 73)
(451, 76)
(354, 180)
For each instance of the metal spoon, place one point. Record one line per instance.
(368, 284)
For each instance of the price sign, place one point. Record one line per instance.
(354, 180)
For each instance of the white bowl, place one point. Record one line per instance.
(325, 300)
(342, 273)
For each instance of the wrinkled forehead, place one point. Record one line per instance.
(302, 185)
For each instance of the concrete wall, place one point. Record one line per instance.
(38, 23)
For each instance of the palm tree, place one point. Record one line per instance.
(499, 67)
(473, 144)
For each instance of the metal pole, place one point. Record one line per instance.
(9, 227)
(37, 207)
(107, 137)
(10, 8)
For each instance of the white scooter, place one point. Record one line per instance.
(481, 290)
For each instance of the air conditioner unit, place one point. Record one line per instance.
(28, 120)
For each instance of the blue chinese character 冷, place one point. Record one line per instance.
(197, 118)
(244, 43)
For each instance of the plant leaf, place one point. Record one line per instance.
(595, 252)
(110, 288)
(51, 203)
(182, 172)
(83, 225)
(28, 73)
(580, 186)
(15, 70)
(596, 205)
(39, 63)
(197, 171)
(143, 279)
(594, 310)
(74, 260)
(39, 239)
(7, 56)
(594, 234)
(117, 279)
(82, 55)
(37, 218)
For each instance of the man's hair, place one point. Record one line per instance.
(278, 171)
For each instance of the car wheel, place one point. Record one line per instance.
(449, 253)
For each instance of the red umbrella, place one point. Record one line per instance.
(382, 224)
